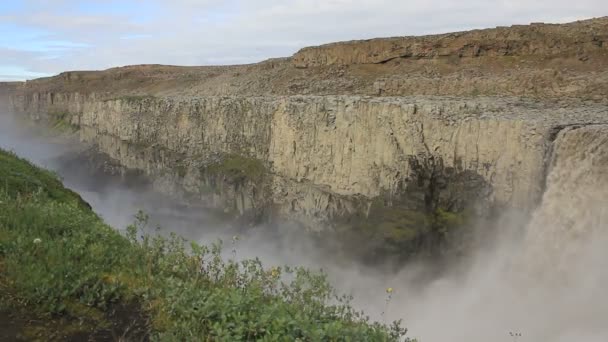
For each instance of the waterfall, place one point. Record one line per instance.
(565, 252)
(549, 285)
(573, 214)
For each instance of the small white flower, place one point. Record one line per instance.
(37, 241)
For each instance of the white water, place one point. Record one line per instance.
(549, 287)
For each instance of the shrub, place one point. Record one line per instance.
(60, 261)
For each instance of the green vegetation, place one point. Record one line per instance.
(61, 122)
(238, 167)
(18, 177)
(399, 230)
(65, 274)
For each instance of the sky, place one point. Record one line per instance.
(44, 37)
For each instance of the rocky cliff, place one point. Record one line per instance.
(378, 130)
(6, 90)
(543, 41)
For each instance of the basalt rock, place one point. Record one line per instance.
(580, 39)
(431, 127)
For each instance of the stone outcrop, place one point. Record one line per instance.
(580, 39)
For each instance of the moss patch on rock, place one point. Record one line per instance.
(61, 121)
(238, 167)
(431, 215)
(398, 231)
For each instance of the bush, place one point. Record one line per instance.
(59, 260)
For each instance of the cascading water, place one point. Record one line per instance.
(550, 285)
(574, 208)
(566, 248)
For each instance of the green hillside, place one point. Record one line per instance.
(66, 275)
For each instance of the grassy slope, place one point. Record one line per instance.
(66, 275)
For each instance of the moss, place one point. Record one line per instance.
(402, 234)
(238, 167)
(60, 121)
(396, 229)
(397, 224)
(446, 221)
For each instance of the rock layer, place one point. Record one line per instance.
(328, 133)
(580, 39)
(540, 61)
(321, 155)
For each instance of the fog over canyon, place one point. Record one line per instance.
(468, 172)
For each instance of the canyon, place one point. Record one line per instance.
(378, 135)
(488, 148)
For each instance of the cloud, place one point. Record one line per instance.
(101, 34)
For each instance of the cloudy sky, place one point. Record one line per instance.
(45, 37)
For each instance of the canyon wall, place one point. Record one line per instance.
(6, 90)
(317, 157)
(394, 137)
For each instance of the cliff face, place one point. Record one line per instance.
(317, 157)
(581, 39)
(321, 159)
(6, 90)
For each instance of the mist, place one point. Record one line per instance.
(544, 277)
